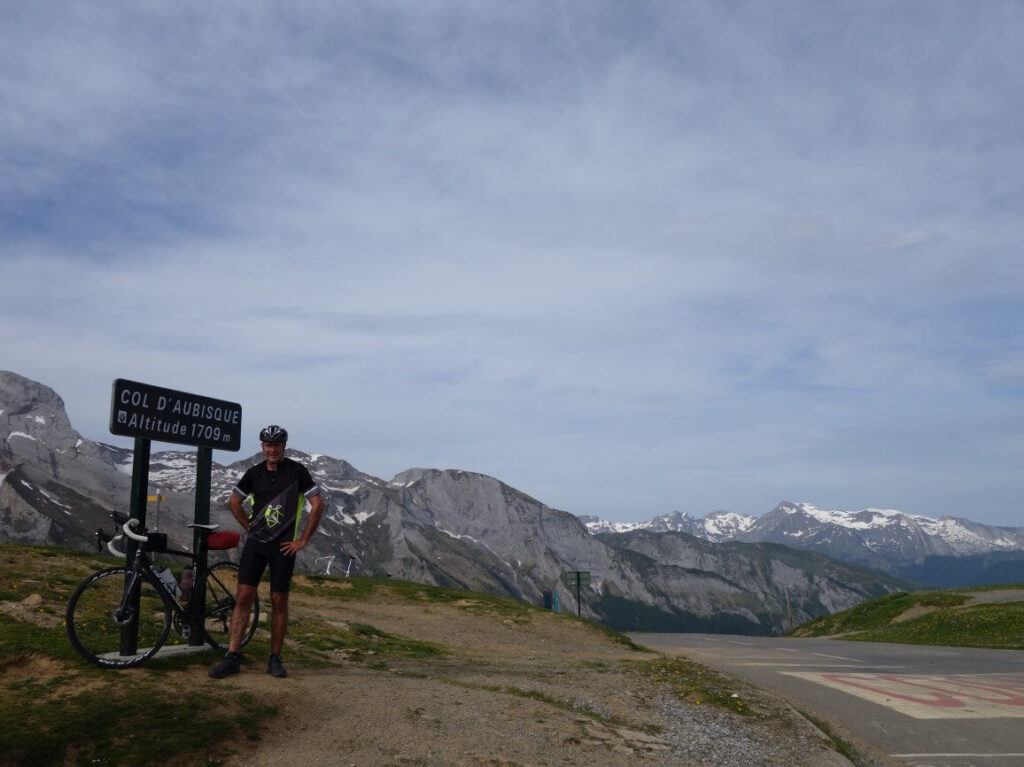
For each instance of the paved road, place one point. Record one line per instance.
(921, 706)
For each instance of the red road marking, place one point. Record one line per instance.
(933, 696)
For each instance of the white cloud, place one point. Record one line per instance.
(722, 254)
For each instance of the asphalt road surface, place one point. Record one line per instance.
(919, 706)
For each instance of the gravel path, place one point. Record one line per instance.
(540, 690)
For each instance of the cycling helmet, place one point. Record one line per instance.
(273, 433)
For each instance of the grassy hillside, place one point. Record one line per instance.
(68, 712)
(991, 616)
(374, 641)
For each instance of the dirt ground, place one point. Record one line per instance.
(509, 692)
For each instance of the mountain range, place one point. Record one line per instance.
(442, 527)
(946, 552)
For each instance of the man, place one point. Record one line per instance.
(279, 489)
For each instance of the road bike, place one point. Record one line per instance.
(330, 561)
(122, 616)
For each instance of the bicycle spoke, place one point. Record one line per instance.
(107, 629)
(221, 587)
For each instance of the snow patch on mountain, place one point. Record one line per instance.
(597, 525)
(868, 519)
(716, 526)
(347, 490)
(348, 518)
(725, 524)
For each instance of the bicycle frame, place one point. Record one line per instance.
(190, 614)
(193, 611)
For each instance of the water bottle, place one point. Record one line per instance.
(167, 578)
(187, 580)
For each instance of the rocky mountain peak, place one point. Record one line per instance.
(31, 411)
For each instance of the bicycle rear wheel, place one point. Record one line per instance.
(101, 619)
(221, 587)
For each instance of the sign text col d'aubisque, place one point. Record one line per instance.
(166, 415)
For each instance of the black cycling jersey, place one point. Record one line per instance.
(277, 499)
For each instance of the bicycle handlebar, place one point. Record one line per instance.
(125, 532)
(128, 525)
(134, 536)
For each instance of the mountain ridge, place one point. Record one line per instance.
(441, 527)
(883, 539)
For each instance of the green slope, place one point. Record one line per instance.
(991, 616)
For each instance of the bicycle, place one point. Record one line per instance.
(121, 616)
(330, 561)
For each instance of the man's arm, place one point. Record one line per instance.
(316, 510)
(235, 504)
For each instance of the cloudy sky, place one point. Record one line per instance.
(629, 258)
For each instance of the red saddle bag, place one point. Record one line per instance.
(221, 541)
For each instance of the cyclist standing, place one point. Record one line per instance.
(278, 489)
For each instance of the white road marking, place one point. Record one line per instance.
(837, 657)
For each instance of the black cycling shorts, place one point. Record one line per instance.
(256, 556)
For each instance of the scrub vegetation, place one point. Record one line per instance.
(989, 616)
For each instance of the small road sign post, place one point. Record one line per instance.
(157, 499)
(148, 413)
(577, 579)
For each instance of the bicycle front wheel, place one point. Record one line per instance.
(112, 627)
(221, 587)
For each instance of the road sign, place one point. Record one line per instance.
(151, 412)
(576, 578)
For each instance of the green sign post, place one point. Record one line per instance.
(577, 579)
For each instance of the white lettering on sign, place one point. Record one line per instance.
(182, 407)
(135, 398)
(144, 411)
(194, 409)
(149, 423)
